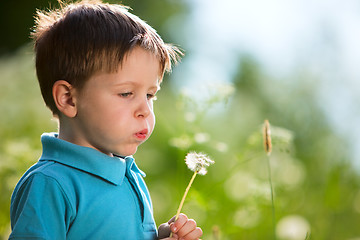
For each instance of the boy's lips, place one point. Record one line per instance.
(141, 135)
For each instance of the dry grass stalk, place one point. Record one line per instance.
(267, 137)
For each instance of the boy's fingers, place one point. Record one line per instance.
(195, 234)
(179, 223)
(187, 228)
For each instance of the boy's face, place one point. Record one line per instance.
(115, 110)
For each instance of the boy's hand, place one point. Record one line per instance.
(183, 228)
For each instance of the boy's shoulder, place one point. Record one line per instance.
(45, 176)
(49, 170)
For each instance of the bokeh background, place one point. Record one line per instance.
(290, 61)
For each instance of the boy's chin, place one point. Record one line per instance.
(124, 153)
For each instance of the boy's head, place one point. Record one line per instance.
(81, 39)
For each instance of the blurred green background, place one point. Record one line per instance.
(313, 163)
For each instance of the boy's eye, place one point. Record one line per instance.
(127, 94)
(151, 96)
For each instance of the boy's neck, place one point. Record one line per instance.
(66, 131)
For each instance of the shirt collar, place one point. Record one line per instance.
(111, 169)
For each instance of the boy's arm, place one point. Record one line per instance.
(39, 209)
(183, 228)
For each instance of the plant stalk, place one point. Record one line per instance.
(272, 195)
(184, 196)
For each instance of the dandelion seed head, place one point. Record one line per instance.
(202, 171)
(198, 162)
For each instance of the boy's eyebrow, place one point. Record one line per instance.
(157, 86)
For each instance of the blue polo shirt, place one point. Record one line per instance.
(75, 192)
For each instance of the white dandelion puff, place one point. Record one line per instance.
(198, 162)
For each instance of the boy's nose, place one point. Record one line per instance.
(144, 108)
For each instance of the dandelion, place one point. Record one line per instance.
(196, 162)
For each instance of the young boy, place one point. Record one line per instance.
(99, 68)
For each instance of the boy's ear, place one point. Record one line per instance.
(64, 98)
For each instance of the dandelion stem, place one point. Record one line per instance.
(183, 198)
(272, 195)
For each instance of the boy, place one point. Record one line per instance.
(99, 68)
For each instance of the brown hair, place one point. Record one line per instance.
(80, 39)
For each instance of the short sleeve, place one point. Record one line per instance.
(39, 209)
